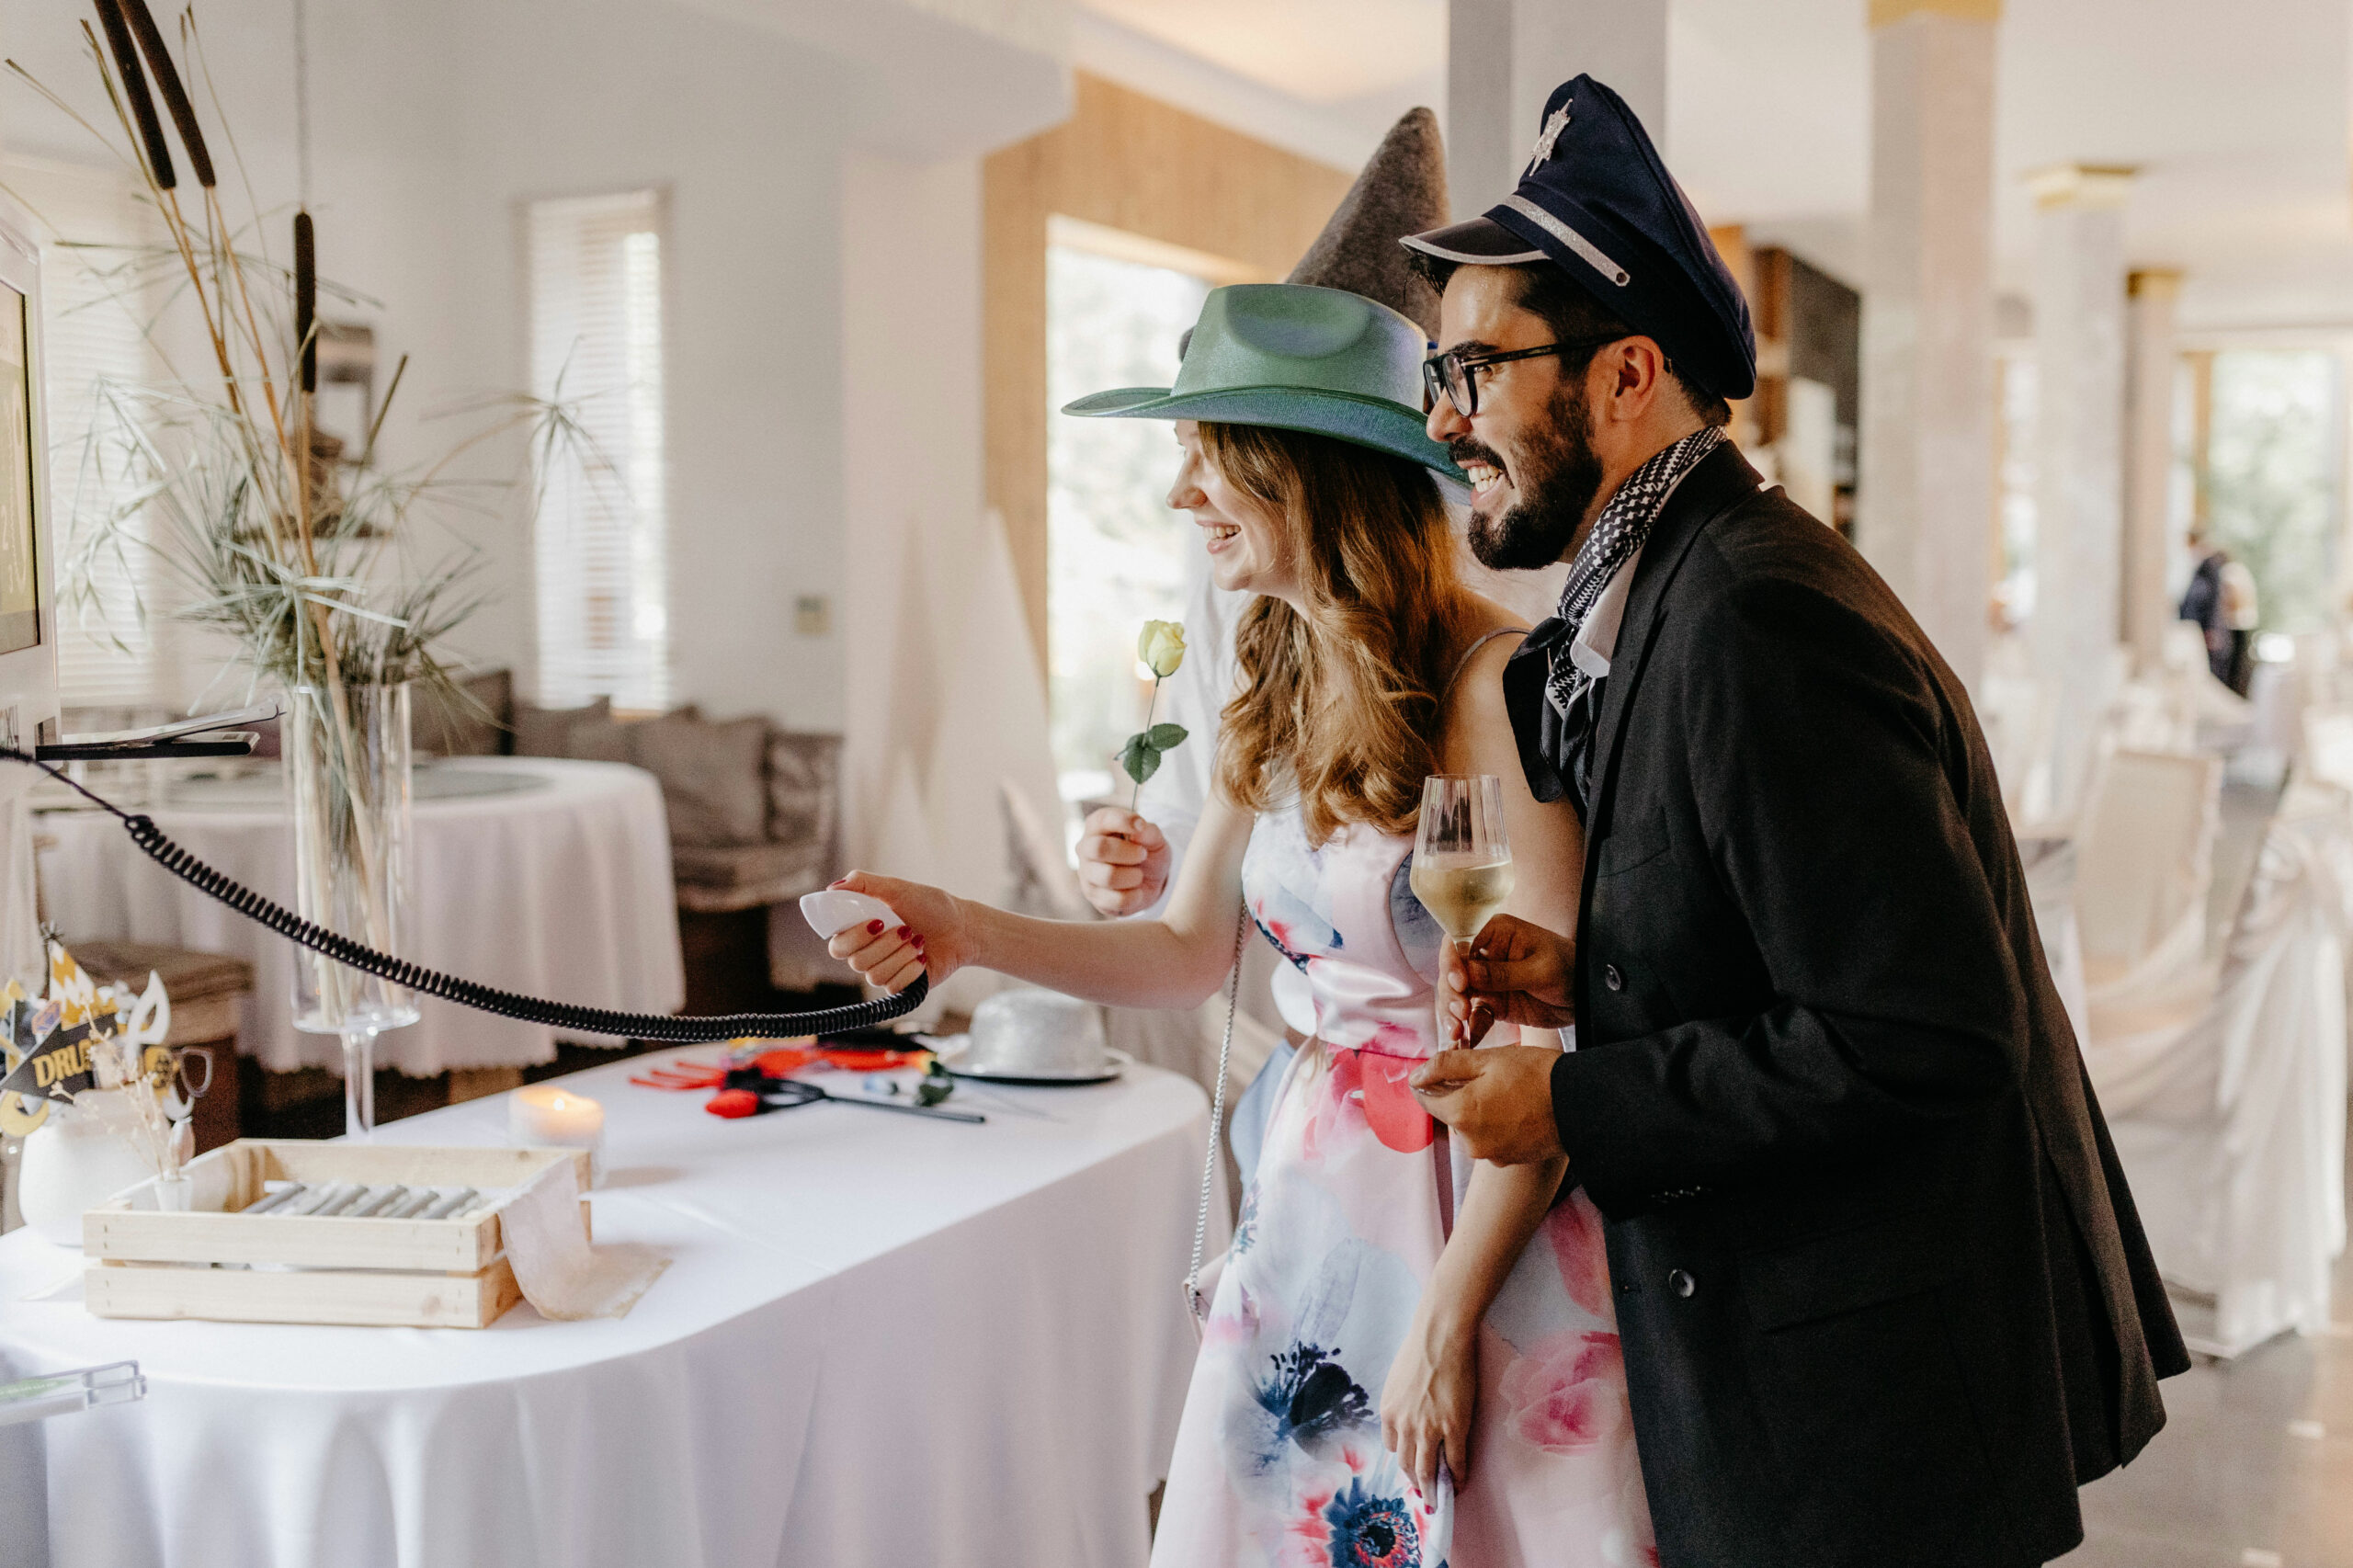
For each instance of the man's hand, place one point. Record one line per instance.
(1123, 861)
(1516, 973)
(1498, 1100)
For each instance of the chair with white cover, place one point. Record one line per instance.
(2144, 859)
(2020, 714)
(2223, 1080)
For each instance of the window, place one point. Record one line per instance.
(2271, 462)
(601, 551)
(92, 309)
(1116, 555)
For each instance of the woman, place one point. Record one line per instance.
(1390, 1373)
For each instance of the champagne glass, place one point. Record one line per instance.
(1461, 859)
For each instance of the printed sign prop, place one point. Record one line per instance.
(45, 1042)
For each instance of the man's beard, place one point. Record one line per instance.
(1557, 483)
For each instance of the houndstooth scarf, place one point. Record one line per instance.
(1616, 534)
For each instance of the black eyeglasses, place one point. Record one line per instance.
(1450, 374)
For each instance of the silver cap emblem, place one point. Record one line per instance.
(1550, 138)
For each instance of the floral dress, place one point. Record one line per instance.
(1279, 1460)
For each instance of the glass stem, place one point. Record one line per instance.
(358, 1084)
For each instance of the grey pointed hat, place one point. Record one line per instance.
(1401, 191)
(1336, 348)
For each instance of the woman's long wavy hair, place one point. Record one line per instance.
(1342, 702)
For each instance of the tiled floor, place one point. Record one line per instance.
(2254, 1469)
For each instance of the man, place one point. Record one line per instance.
(2220, 599)
(1883, 1293)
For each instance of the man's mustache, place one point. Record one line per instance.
(1465, 452)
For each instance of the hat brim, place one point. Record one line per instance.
(1481, 241)
(1377, 423)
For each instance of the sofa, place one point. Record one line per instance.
(754, 815)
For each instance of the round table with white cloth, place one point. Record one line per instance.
(880, 1341)
(533, 874)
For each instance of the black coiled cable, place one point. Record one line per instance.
(682, 1030)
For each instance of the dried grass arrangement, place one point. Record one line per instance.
(256, 522)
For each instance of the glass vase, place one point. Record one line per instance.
(347, 767)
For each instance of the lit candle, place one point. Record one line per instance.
(544, 1115)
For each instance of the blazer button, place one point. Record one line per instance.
(1611, 978)
(1682, 1284)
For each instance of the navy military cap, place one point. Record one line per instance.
(1597, 201)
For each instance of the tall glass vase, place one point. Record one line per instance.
(347, 784)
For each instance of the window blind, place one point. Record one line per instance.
(601, 547)
(92, 307)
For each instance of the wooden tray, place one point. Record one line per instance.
(420, 1273)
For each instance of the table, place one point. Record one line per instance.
(559, 885)
(880, 1341)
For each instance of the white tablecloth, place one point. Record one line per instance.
(880, 1341)
(560, 889)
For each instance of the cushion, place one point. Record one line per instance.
(746, 876)
(543, 732)
(477, 721)
(713, 782)
(805, 788)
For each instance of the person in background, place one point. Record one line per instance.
(2220, 599)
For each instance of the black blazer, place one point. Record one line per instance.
(1883, 1295)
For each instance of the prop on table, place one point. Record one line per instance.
(1035, 1037)
(332, 1241)
(749, 1091)
(100, 1100)
(561, 1273)
(750, 1080)
(62, 1394)
(1160, 648)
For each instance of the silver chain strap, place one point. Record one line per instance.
(1217, 1124)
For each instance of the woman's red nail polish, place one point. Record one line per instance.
(874, 928)
(903, 930)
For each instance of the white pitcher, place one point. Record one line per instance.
(71, 1164)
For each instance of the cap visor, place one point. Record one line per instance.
(1479, 243)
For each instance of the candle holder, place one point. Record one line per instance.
(542, 1116)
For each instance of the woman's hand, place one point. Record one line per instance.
(1426, 1404)
(1518, 973)
(1123, 861)
(935, 936)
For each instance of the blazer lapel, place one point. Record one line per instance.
(1721, 481)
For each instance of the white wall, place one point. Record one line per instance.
(743, 129)
(946, 702)
(434, 118)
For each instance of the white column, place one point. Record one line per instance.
(2150, 352)
(2079, 454)
(1504, 57)
(1924, 494)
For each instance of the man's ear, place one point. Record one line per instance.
(1633, 376)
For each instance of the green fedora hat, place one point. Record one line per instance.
(1297, 358)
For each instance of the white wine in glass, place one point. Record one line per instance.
(1462, 859)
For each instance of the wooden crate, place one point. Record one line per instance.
(420, 1273)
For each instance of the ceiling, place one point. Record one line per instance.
(2238, 115)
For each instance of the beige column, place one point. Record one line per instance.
(1504, 57)
(1924, 496)
(2153, 294)
(2079, 454)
